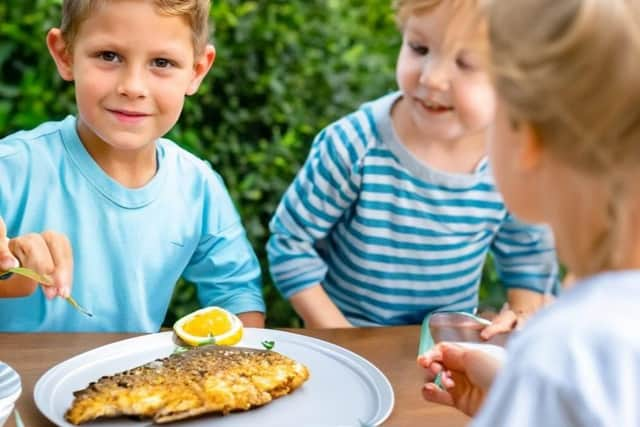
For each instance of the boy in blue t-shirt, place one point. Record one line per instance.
(139, 211)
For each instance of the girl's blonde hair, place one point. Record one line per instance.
(74, 12)
(570, 69)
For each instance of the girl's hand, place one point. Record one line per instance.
(49, 254)
(465, 376)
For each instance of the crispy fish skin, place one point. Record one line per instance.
(199, 381)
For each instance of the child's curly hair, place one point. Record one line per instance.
(74, 12)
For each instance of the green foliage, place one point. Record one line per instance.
(284, 70)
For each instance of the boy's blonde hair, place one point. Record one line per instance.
(468, 19)
(405, 8)
(572, 73)
(74, 12)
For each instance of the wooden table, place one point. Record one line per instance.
(393, 350)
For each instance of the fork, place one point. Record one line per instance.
(46, 280)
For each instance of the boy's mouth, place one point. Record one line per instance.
(128, 116)
(434, 107)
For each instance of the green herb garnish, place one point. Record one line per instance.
(179, 349)
(268, 344)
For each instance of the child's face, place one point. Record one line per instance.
(132, 68)
(442, 75)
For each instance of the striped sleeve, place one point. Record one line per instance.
(525, 256)
(324, 189)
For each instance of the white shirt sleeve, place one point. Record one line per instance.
(530, 400)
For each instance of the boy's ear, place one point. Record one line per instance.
(201, 68)
(60, 54)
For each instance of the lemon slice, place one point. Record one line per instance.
(209, 325)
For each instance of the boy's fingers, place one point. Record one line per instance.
(7, 260)
(33, 253)
(503, 322)
(49, 291)
(61, 254)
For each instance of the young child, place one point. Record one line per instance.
(395, 209)
(565, 150)
(139, 211)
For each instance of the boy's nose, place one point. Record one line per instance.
(435, 75)
(132, 84)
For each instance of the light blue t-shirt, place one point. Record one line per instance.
(576, 363)
(130, 245)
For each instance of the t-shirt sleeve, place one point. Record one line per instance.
(224, 266)
(323, 190)
(525, 256)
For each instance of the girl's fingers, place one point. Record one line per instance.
(433, 393)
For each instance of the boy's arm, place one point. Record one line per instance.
(526, 263)
(224, 266)
(252, 319)
(323, 190)
(317, 310)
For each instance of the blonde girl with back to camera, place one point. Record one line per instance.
(565, 149)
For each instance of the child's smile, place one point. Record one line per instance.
(127, 116)
(130, 85)
(434, 107)
(446, 89)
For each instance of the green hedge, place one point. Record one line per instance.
(284, 70)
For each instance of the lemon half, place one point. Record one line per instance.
(209, 325)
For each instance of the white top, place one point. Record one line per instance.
(577, 363)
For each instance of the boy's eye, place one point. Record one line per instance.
(162, 63)
(419, 49)
(109, 56)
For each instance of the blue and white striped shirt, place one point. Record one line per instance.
(391, 239)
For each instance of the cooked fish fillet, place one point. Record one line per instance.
(203, 380)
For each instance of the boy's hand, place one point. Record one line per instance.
(506, 321)
(466, 376)
(514, 313)
(49, 254)
(7, 260)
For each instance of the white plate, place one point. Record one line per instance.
(10, 387)
(343, 389)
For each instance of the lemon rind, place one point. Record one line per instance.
(236, 324)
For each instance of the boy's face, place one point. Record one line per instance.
(132, 68)
(441, 74)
